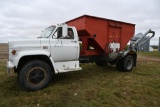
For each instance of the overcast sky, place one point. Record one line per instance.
(27, 18)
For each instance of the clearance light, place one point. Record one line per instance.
(13, 52)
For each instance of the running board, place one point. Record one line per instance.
(67, 66)
(70, 69)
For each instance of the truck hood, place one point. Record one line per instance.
(33, 43)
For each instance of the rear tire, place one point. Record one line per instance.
(128, 63)
(101, 63)
(119, 65)
(35, 75)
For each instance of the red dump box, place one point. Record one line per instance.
(97, 33)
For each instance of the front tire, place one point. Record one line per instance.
(35, 75)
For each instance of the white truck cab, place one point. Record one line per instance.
(56, 50)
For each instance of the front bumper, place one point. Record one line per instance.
(10, 68)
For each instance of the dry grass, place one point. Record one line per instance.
(3, 51)
(154, 54)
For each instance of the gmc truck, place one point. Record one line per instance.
(60, 48)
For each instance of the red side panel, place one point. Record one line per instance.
(99, 32)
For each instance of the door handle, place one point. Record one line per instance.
(74, 41)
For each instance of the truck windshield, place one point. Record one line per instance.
(47, 32)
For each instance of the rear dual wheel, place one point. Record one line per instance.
(35, 75)
(101, 63)
(125, 64)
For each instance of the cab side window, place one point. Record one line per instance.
(70, 34)
(58, 33)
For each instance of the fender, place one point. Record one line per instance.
(53, 64)
(23, 53)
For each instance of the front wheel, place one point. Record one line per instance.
(35, 75)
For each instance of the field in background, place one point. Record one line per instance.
(3, 51)
(93, 86)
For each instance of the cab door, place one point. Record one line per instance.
(63, 47)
